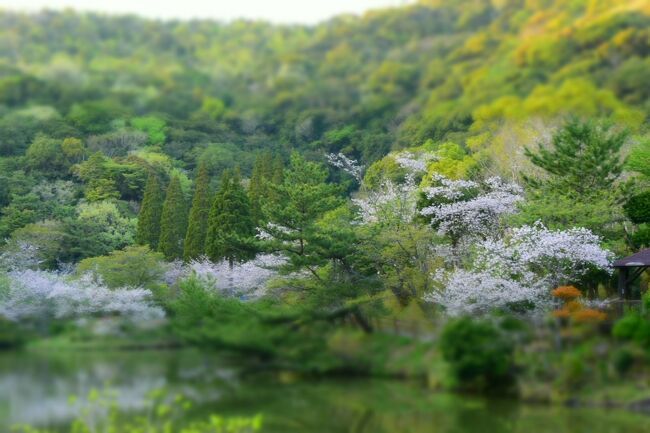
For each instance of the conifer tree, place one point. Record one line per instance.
(584, 158)
(173, 221)
(303, 197)
(258, 188)
(230, 226)
(148, 231)
(197, 226)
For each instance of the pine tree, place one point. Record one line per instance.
(277, 170)
(230, 226)
(197, 227)
(584, 158)
(303, 197)
(173, 221)
(148, 231)
(257, 188)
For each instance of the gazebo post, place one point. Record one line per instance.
(622, 282)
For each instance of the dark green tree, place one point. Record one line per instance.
(579, 184)
(302, 198)
(584, 158)
(150, 212)
(258, 186)
(173, 221)
(231, 231)
(197, 227)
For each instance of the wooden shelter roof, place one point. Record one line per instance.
(642, 258)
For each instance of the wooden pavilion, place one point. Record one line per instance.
(629, 269)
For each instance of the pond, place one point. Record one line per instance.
(35, 388)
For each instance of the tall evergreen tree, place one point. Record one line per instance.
(173, 221)
(148, 231)
(303, 197)
(584, 158)
(197, 226)
(258, 188)
(231, 231)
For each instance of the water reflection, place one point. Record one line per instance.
(35, 388)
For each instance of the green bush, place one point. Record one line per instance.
(633, 327)
(479, 353)
(637, 208)
(134, 266)
(10, 336)
(623, 360)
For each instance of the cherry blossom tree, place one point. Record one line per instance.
(519, 269)
(43, 295)
(390, 204)
(415, 162)
(247, 279)
(467, 209)
(348, 165)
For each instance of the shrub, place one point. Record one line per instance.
(623, 360)
(479, 353)
(626, 327)
(633, 327)
(637, 208)
(134, 266)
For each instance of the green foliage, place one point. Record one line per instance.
(637, 208)
(173, 221)
(261, 329)
(580, 181)
(584, 158)
(150, 214)
(197, 227)
(478, 353)
(48, 237)
(623, 360)
(46, 155)
(100, 411)
(639, 159)
(633, 327)
(303, 198)
(99, 228)
(134, 266)
(153, 126)
(258, 190)
(231, 229)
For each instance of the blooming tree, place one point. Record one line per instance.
(391, 203)
(348, 165)
(521, 268)
(20, 255)
(415, 163)
(463, 208)
(247, 279)
(42, 295)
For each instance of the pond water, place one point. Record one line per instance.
(35, 388)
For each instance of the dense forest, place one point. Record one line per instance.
(469, 167)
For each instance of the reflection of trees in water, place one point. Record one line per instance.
(36, 389)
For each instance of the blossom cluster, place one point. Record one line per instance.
(246, 279)
(348, 165)
(521, 268)
(32, 294)
(390, 203)
(467, 208)
(414, 162)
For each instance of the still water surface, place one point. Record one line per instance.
(35, 389)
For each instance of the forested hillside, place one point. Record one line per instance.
(441, 70)
(293, 193)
